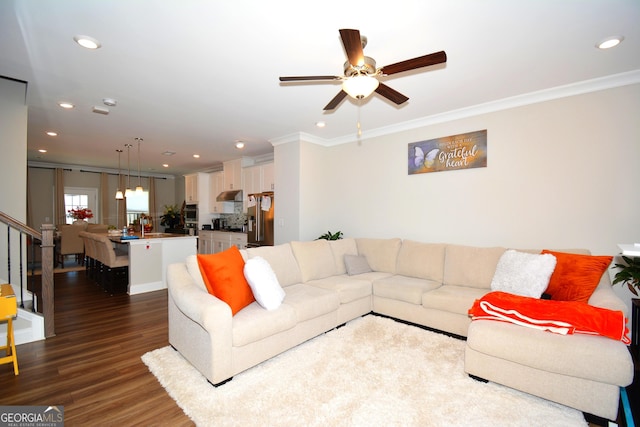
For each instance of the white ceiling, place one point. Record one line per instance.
(193, 76)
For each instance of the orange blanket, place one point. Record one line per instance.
(561, 317)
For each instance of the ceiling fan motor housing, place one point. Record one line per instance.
(368, 67)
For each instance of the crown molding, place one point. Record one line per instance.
(558, 92)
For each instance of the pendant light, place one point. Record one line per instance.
(127, 192)
(119, 195)
(139, 188)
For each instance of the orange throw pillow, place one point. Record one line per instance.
(223, 274)
(576, 276)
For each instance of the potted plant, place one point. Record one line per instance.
(331, 236)
(629, 274)
(171, 217)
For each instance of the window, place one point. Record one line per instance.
(75, 198)
(137, 204)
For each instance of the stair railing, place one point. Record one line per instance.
(45, 236)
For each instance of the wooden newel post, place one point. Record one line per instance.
(48, 231)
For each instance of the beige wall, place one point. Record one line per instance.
(560, 174)
(41, 187)
(13, 165)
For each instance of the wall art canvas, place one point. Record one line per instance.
(465, 151)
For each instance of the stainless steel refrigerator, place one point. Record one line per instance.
(260, 219)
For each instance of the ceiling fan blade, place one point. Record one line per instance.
(412, 64)
(391, 94)
(353, 46)
(303, 78)
(335, 101)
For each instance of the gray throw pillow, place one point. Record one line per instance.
(356, 264)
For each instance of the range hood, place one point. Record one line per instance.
(230, 196)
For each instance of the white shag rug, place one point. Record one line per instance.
(372, 372)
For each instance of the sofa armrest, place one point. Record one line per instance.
(210, 312)
(605, 297)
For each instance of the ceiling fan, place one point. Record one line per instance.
(361, 75)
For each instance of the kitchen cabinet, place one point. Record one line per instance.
(191, 188)
(197, 190)
(238, 240)
(205, 242)
(257, 179)
(216, 186)
(232, 174)
(213, 242)
(252, 180)
(268, 177)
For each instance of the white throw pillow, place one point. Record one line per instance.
(522, 273)
(264, 283)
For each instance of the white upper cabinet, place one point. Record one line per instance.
(191, 188)
(197, 190)
(232, 174)
(216, 186)
(268, 177)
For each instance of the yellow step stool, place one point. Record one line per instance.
(9, 310)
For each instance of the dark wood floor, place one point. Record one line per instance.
(92, 366)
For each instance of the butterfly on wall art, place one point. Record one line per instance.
(464, 151)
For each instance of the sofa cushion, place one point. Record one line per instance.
(580, 356)
(340, 248)
(254, 323)
(381, 253)
(264, 283)
(403, 288)
(348, 288)
(310, 302)
(453, 299)
(224, 278)
(281, 260)
(356, 264)
(470, 266)
(522, 273)
(315, 259)
(422, 260)
(576, 276)
(194, 271)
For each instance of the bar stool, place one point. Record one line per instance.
(8, 310)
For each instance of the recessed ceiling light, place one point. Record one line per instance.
(110, 102)
(66, 105)
(42, 150)
(168, 153)
(87, 42)
(239, 145)
(609, 42)
(164, 165)
(321, 124)
(196, 156)
(51, 133)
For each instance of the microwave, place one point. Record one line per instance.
(191, 213)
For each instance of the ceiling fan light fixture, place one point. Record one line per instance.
(360, 86)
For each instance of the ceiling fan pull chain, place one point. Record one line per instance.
(359, 127)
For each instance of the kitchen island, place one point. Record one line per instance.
(150, 255)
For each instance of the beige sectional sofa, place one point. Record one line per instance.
(432, 285)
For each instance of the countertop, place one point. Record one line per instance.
(229, 230)
(148, 236)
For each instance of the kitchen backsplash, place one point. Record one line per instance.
(236, 219)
